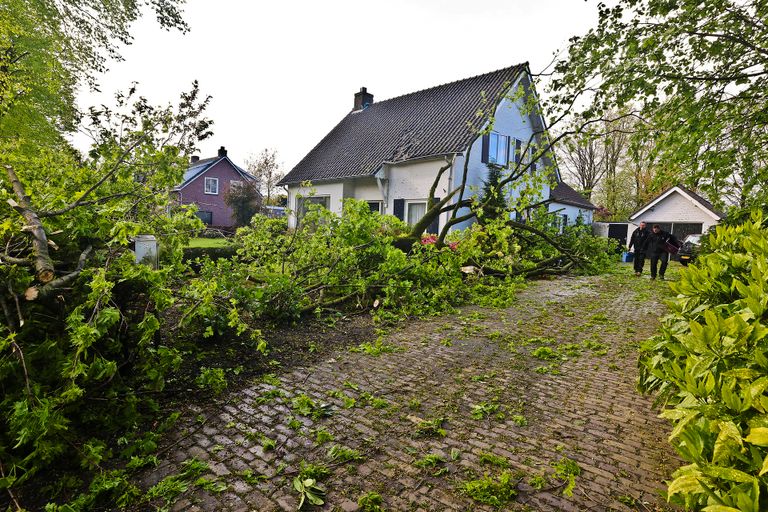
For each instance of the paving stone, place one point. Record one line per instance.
(591, 413)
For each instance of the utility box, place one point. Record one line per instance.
(146, 250)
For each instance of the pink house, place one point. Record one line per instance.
(207, 182)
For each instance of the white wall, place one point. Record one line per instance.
(413, 180)
(676, 208)
(333, 189)
(510, 121)
(573, 212)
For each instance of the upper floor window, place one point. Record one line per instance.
(233, 184)
(498, 149)
(212, 186)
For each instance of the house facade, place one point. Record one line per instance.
(680, 211)
(389, 153)
(206, 183)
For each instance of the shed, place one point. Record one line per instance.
(679, 211)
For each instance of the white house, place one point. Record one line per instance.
(679, 211)
(388, 153)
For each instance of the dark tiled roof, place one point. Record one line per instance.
(703, 202)
(426, 123)
(563, 193)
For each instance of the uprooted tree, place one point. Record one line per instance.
(532, 167)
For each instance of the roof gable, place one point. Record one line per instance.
(693, 197)
(202, 166)
(436, 121)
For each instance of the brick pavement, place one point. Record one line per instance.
(585, 408)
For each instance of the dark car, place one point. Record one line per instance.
(689, 250)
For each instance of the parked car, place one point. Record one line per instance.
(689, 250)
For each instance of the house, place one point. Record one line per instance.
(206, 183)
(570, 205)
(389, 153)
(679, 211)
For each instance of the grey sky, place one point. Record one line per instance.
(282, 74)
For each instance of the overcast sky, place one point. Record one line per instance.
(282, 74)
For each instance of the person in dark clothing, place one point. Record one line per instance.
(656, 249)
(638, 241)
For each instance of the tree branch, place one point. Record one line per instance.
(34, 292)
(43, 262)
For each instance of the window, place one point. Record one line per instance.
(498, 149)
(303, 202)
(206, 217)
(212, 186)
(375, 206)
(233, 184)
(414, 211)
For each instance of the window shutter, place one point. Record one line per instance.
(486, 144)
(518, 149)
(399, 208)
(435, 226)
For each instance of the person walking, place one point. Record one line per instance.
(656, 248)
(639, 240)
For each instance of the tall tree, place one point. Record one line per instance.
(268, 172)
(696, 72)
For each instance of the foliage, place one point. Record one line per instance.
(342, 454)
(695, 72)
(213, 379)
(709, 367)
(495, 492)
(268, 173)
(309, 491)
(245, 201)
(567, 470)
(371, 502)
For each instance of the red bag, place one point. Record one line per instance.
(670, 247)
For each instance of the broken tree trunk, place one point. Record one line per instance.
(43, 263)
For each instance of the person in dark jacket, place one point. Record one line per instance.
(656, 249)
(638, 240)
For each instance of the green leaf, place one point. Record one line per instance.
(728, 442)
(730, 474)
(758, 436)
(686, 484)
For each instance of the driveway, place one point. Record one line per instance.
(441, 411)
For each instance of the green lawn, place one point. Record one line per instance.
(208, 242)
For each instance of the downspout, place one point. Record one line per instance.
(382, 182)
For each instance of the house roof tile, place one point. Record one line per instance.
(436, 121)
(563, 193)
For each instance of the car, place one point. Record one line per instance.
(689, 250)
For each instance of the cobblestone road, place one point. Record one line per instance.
(548, 380)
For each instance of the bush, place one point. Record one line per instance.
(709, 366)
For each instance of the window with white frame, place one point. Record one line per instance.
(375, 206)
(303, 202)
(414, 211)
(233, 184)
(212, 186)
(498, 149)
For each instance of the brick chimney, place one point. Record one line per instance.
(194, 159)
(363, 99)
(222, 152)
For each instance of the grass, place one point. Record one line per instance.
(208, 242)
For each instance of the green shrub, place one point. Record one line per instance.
(709, 366)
